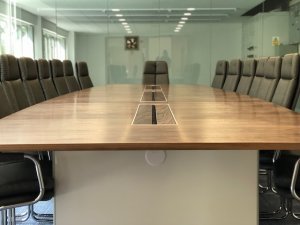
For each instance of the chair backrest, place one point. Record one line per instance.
(162, 73)
(248, 72)
(6, 107)
(58, 77)
(31, 82)
(287, 84)
(44, 73)
(259, 76)
(233, 75)
(83, 75)
(220, 74)
(149, 72)
(12, 83)
(72, 83)
(271, 76)
(156, 72)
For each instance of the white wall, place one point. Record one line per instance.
(91, 48)
(259, 30)
(192, 54)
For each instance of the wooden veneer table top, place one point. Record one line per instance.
(100, 118)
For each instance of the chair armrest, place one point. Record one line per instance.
(294, 180)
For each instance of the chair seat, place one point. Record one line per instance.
(19, 184)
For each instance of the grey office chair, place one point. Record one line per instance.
(162, 72)
(12, 83)
(259, 76)
(58, 77)
(31, 82)
(83, 75)
(271, 76)
(220, 74)
(287, 84)
(149, 75)
(233, 75)
(44, 73)
(72, 83)
(248, 72)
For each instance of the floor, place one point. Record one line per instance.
(271, 202)
(41, 207)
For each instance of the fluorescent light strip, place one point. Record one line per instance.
(119, 15)
(190, 9)
(124, 23)
(122, 20)
(115, 10)
(184, 18)
(187, 14)
(182, 22)
(179, 25)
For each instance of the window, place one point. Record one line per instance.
(54, 45)
(16, 37)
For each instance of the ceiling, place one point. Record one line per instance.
(142, 16)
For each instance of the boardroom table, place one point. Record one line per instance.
(163, 155)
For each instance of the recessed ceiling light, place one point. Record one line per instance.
(124, 23)
(119, 15)
(176, 30)
(179, 25)
(188, 14)
(126, 26)
(127, 29)
(184, 18)
(122, 20)
(115, 10)
(182, 22)
(190, 9)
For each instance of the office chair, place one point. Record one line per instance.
(233, 75)
(149, 75)
(271, 77)
(31, 82)
(220, 74)
(258, 77)
(72, 83)
(58, 77)
(287, 83)
(248, 71)
(45, 77)
(162, 72)
(83, 75)
(12, 83)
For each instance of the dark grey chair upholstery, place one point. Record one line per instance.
(44, 73)
(220, 74)
(12, 83)
(149, 73)
(233, 75)
(156, 72)
(58, 77)
(287, 84)
(259, 76)
(72, 83)
(6, 107)
(83, 75)
(162, 73)
(31, 82)
(248, 72)
(271, 76)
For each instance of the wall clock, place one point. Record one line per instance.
(131, 42)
